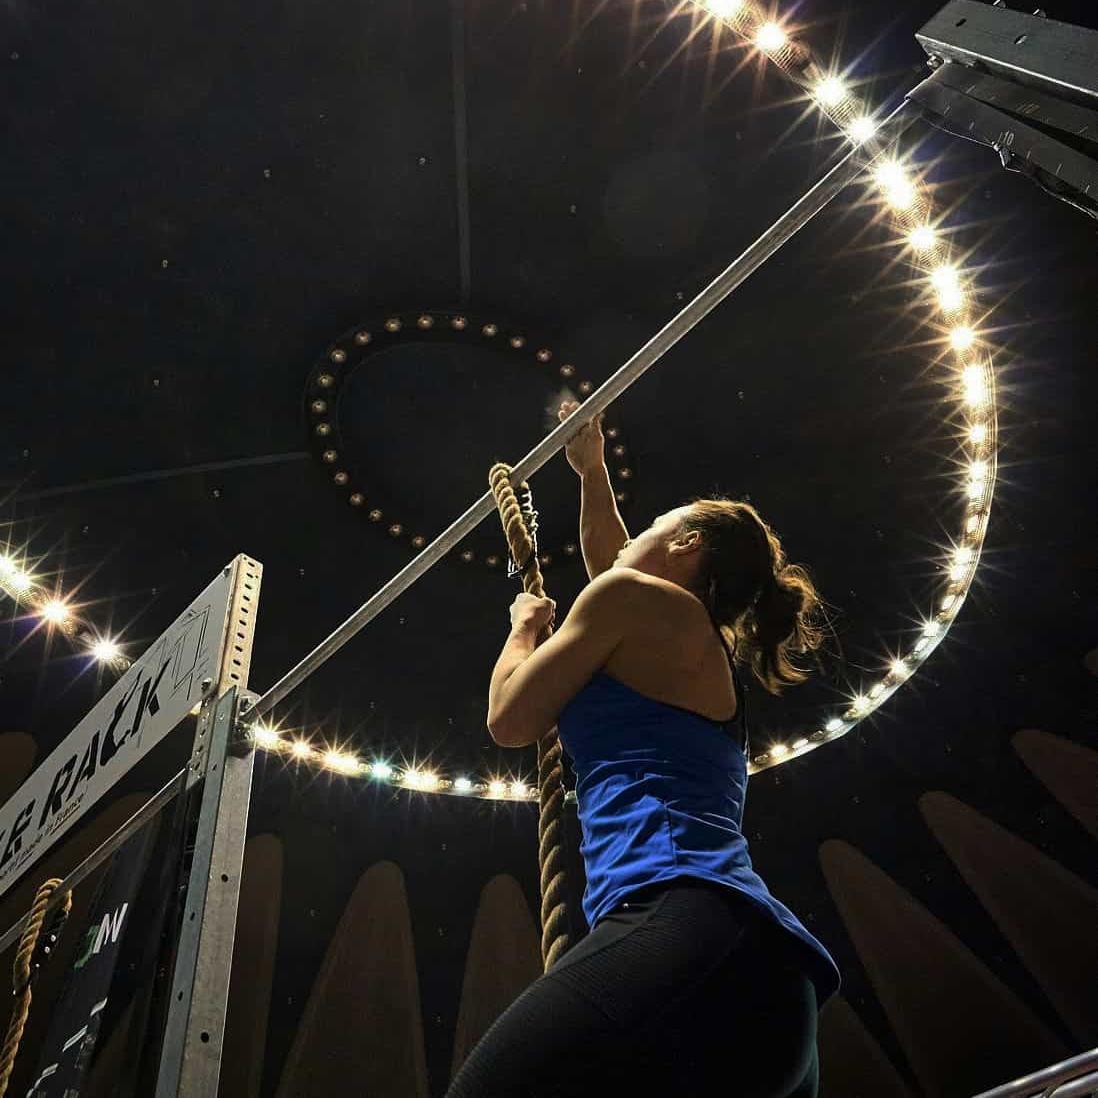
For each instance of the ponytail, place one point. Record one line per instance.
(781, 623)
(767, 607)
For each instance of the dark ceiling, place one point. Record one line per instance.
(199, 199)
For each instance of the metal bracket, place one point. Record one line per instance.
(1025, 85)
(525, 497)
(243, 735)
(1053, 142)
(1031, 50)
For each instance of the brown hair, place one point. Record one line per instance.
(766, 606)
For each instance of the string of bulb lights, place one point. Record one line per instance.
(947, 290)
(55, 612)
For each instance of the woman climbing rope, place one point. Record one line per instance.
(694, 980)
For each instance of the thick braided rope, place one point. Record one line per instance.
(555, 938)
(22, 972)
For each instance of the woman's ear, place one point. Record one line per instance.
(688, 542)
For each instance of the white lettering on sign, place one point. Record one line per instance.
(153, 696)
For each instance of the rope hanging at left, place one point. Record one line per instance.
(34, 948)
(520, 526)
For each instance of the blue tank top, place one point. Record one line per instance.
(660, 792)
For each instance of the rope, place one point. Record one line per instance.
(25, 968)
(555, 937)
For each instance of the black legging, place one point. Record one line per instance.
(685, 990)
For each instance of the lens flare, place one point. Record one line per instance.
(770, 37)
(898, 188)
(830, 91)
(55, 611)
(862, 129)
(105, 650)
(923, 238)
(962, 338)
(265, 737)
(723, 9)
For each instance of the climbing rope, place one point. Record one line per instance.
(520, 525)
(28, 960)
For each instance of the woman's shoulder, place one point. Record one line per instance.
(662, 612)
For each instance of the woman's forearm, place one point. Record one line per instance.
(520, 645)
(602, 532)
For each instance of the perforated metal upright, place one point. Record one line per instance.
(194, 1030)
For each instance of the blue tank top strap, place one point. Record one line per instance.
(740, 718)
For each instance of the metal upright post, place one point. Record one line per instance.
(190, 1056)
(194, 1029)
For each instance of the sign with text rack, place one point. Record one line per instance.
(150, 699)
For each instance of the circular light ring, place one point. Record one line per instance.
(912, 216)
(328, 378)
(968, 361)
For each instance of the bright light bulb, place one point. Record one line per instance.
(55, 611)
(8, 566)
(265, 737)
(932, 629)
(978, 472)
(381, 770)
(860, 703)
(899, 667)
(975, 386)
(834, 724)
(798, 744)
(497, 788)
(778, 750)
(962, 338)
(770, 37)
(898, 188)
(20, 582)
(977, 433)
(901, 196)
(518, 789)
(341, 761)
(951, 300)
(947, 281)
(830, 91)
(862, 129)
(963, 554)
(301, 749)
(105, 650)
(945, 278)
(923, 238)
(722, 9)
(463, 785)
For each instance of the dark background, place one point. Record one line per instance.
(199, 200)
